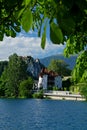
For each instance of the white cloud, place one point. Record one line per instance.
(27, 46)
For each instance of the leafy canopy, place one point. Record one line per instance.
(79, 73)
(67, 20)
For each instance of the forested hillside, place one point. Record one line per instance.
(71, 61)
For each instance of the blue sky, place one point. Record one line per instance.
(28, 44)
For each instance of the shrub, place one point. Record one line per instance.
(50, 87)
(83, 90)
(55, 88)
(25, 88)
(80, 87)
(38, 94)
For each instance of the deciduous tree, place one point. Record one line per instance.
(60, 67)
(13, 75)
(79, 73)
(25, 88)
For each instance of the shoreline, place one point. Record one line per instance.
(63, 95)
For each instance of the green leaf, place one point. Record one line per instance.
(1, 36)
(7, 33)
(43, 39)
(27, 2)
(17, 29)
(39, 33)
(56, 35)
(85, 11)
(68, 25)
(26, 20)
(41, 2)
(20, 13)
(12, 33)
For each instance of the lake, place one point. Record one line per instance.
(42, 114)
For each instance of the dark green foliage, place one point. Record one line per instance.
(3, 83)
(50, 87)
(25, 88)
(66, 84)
(2, 89)
(14, 73)
(9, 23)
(3, 64)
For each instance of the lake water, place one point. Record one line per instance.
(36, 114)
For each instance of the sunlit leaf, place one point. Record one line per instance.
(27, 20)
(20, 13)
(56, 35)
(27, 2)
(80, 69)
(41, 1)
(43, 39)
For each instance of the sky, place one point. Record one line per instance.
(28, 44)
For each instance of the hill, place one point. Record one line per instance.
(71, 61)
